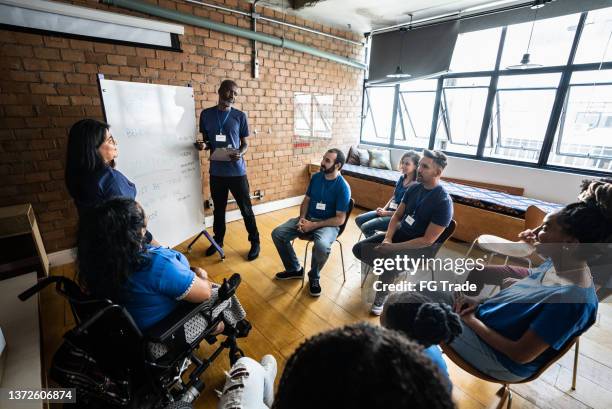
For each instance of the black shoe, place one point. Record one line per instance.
(288, 275)
(212, 250)
(254, 252)
(315, 287)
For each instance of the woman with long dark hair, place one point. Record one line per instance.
(378, 220)
(115, 262)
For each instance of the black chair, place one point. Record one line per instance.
(310, 239)
(123, 357)
(428, 252)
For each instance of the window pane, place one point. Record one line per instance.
(594, 38)
(591, 77)
(550, 44)
(322, 109)
(518, 124)
(302, 115)
(476, 51)
(529, 81)
(467, 82)
(460, 119)
(584, 137)
(419, 85)
(414, 118)
(378, 112)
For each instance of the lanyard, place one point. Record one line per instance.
(224, 119)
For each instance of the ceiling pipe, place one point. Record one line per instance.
(228, 29)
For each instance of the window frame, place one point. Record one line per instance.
(554, 120)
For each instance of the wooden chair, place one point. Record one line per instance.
(431, 251)
(504, 392)
(495, 245)
(310, 239)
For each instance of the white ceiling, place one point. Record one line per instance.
(366, 15)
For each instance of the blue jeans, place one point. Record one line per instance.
(324, 237)
(369, 223)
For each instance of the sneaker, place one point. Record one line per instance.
(315, 287)
(269, 364)
(212, 250)
(377, 308)
(288, 275)
(254, 251)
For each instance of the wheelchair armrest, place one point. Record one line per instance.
(164, 329)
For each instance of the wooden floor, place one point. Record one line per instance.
(283, 316)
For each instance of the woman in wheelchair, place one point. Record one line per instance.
(517, 331)
(115, 263)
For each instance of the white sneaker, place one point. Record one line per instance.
(269, 364)
(377, 308)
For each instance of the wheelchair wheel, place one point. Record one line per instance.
(178, 405)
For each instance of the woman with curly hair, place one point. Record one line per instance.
(378, 220)
(514, 333)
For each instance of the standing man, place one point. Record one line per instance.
(225, 127)
(322, 212)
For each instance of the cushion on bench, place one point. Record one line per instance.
(494, 201)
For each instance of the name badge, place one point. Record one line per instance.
(410, 220)
(320, 206)
(392, 205)
(220, 138)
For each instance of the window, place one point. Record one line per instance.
(550, 44)
(584, 137)
(462, 107)
(377, 114)
(520, 115)
(313, 115)
(487, 44)
(415, 107)
(595, 40)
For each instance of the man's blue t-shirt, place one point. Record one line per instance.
(106, 183)
(153, 292)
(556, 313)
(425, 206)
(398, 193)
(233, 124)
(334, 195)
(435, 354)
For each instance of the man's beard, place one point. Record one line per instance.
(419, 178)
(326, 170)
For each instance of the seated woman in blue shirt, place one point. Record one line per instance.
(425, 322)
(378, 220)
(513, 334)
(115, 263)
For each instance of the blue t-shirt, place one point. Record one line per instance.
(556, 313)
(97, 187)
(398, 193)
(233, 124)
(153, 292)
(435, 354)
(425, 206)
(335, 194)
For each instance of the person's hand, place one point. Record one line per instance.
(389, 213)
(379, 211)
(200, 272)
(470, 319)
(465, 304)
(529, 236)
(508, 281)
(235, 156)
(307, 226)
(201, 145)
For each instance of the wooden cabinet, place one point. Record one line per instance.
(21, 243)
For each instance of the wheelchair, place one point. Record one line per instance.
(113, 364)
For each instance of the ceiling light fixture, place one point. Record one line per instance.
(526, 60)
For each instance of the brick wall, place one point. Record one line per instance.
(47, 83)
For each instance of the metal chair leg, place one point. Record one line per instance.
(505, 394)
(342, 258)
(366, 275)
(471, 247)
(305, 258)
(576, 354)
(506, 261)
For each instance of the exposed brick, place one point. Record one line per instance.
(58, 101)
(53, 77)
(73, 55)
(116, 59)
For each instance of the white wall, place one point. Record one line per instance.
(551, 186)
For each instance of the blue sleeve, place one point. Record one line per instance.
(115, 184)
(555, 331)
(244, 126)
(443, 213)
(343, 197)
(175, 277)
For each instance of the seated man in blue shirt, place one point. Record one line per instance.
(426, 210)
(322, 213)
